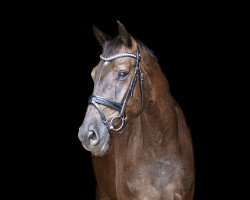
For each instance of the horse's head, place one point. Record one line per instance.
(118, 91)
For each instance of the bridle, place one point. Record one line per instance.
(95, 100)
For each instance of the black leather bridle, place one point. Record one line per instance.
(95, 100)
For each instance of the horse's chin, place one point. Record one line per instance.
(102, 151)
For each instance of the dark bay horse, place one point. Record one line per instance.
(140, 143)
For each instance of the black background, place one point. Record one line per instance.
(55, 51)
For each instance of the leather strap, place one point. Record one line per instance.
(95, 100)
(105, 102)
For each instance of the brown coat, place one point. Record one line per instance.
(152, 158)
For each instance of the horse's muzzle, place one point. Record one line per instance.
(93, 139)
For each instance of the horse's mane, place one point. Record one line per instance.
(144, 48)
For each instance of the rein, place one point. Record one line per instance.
(95, 100)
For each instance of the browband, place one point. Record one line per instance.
(118, 55)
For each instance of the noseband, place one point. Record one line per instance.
(95, 100)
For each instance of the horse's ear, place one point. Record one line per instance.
(100, 36)
(124, 34)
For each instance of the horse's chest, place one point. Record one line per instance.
(148, 180)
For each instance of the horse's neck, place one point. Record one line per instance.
(148, 139)
(154, 132)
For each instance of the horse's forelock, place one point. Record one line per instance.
(112, 46)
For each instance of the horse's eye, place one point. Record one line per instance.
(122, 74)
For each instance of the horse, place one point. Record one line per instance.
(137, 134)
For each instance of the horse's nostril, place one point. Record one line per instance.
(92, 137)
